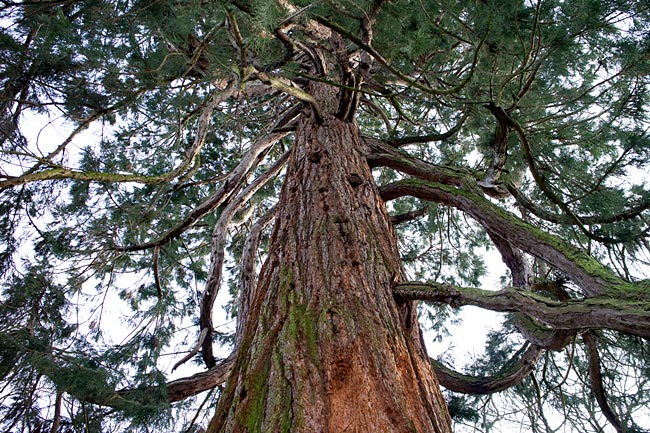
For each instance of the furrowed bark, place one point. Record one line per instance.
(326, 348)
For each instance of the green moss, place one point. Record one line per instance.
(581, 259)
(280, 398)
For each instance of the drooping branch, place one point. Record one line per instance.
(627, 316)
(59, 172)
(584, 270)
(515, 371)
(596, 378)
(217, 246)
(500, 145)
(250, 158)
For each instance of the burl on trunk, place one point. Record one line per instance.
(326, 347)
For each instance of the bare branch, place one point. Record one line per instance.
(194, 350)
(217, 253)
(515, 371)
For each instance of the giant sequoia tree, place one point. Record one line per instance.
(338, 167)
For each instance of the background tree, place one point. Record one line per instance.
(202, 139)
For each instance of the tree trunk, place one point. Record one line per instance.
(326, 347)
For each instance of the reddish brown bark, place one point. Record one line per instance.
(326, 347)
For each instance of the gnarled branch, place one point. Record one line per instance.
(584, 270)
(219, 196)
(516, 371)
(628, 316)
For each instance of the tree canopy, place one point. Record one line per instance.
(143, 147)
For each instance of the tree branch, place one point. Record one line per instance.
(399, 142)
(515, 371)
(584, 270)
(597, 382)
(627, 316)
(247, 274)
(216, 199)
(217, 253)
(409, 216)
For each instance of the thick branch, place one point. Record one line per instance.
(583, 269)
(536, 333)
(628, 316)
(504, 125)
(381, 154)
(512, 375)
(181, 389)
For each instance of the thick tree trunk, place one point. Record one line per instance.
(326, 348)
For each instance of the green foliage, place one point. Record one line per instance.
(132, 80)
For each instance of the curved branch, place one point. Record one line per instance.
(217, 246)
(512, 375)
(584, 270)
(399, 142)
(536, 333)
(381, 154)
(409, 216)
(597, 381)
(504, 125)
(533, 331)
(57, 172)
(185, 387)
(216, 199)
(627, 316)
(194, 350)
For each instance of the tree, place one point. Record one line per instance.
(339, 166)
